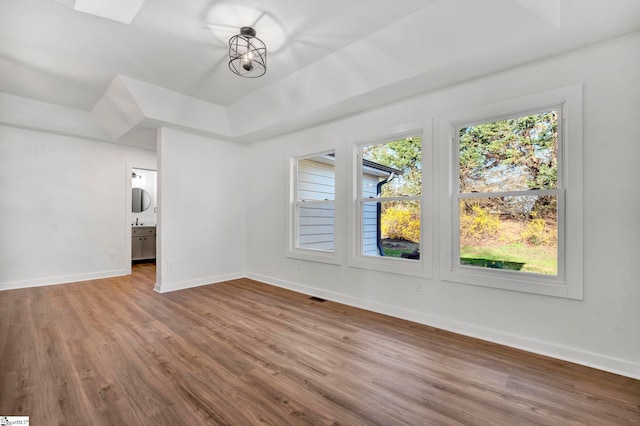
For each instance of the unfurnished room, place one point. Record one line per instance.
(364, 212)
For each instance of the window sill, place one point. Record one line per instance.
(414, 268)
(514, 281)
(319, 256)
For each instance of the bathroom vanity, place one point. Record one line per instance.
(143, 242)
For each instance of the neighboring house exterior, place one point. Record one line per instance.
(316, 221)
(316, 181)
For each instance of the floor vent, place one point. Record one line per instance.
(317, 299)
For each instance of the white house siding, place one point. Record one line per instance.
(316, 226)
(316, 195)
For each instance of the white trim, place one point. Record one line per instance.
(291, 250)
(569, 281)
(529, 193)
(63, 279)
(130, 165)
(589, 359)
(557, 351)
(424, 266)
(182, 285)
(383, 199)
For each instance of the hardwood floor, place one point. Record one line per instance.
(113, 352)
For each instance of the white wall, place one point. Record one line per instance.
(223, 212)
(201, 210)
(63, 205)
(603, 330)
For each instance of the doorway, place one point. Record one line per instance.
(141, 214)
(144, 209)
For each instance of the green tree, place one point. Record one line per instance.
(400, 219)
(402, 154)
(508, 155)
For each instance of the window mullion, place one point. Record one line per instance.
(531, 192)
(383, 199)
(311, 202)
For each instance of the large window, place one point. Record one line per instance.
(312, 216)
(391, 174)
(508, 219)
(508, 192)
(389, 206)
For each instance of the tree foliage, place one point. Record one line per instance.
(511, 155)
(400, 223)
(404, 155)
(514, 154)
(400, 219)
(479, 224)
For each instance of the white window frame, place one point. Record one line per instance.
(292, 250)
(414, 267)
(568, 283)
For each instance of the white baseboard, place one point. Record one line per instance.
(181, 285)
(63, 279)
(565, 353)
(589, 359)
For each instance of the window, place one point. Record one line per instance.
(508, 192)
(312, 218)
(389, 229)
(507, 208)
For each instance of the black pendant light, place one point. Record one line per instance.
(247, 54)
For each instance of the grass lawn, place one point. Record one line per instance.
(538, 259)
(395, 252)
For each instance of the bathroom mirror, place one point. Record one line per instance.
(140, 200)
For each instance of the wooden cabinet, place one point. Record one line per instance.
(143, 242)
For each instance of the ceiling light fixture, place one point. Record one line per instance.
(247, 54)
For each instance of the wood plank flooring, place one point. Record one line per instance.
(113, 352)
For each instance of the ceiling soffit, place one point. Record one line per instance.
(432, 47)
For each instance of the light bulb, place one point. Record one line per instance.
(246, 61)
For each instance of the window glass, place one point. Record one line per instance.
(515, 233)
(508, 193)
(517, 154)
(315, 202)
(399, 162)
(391, 186)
